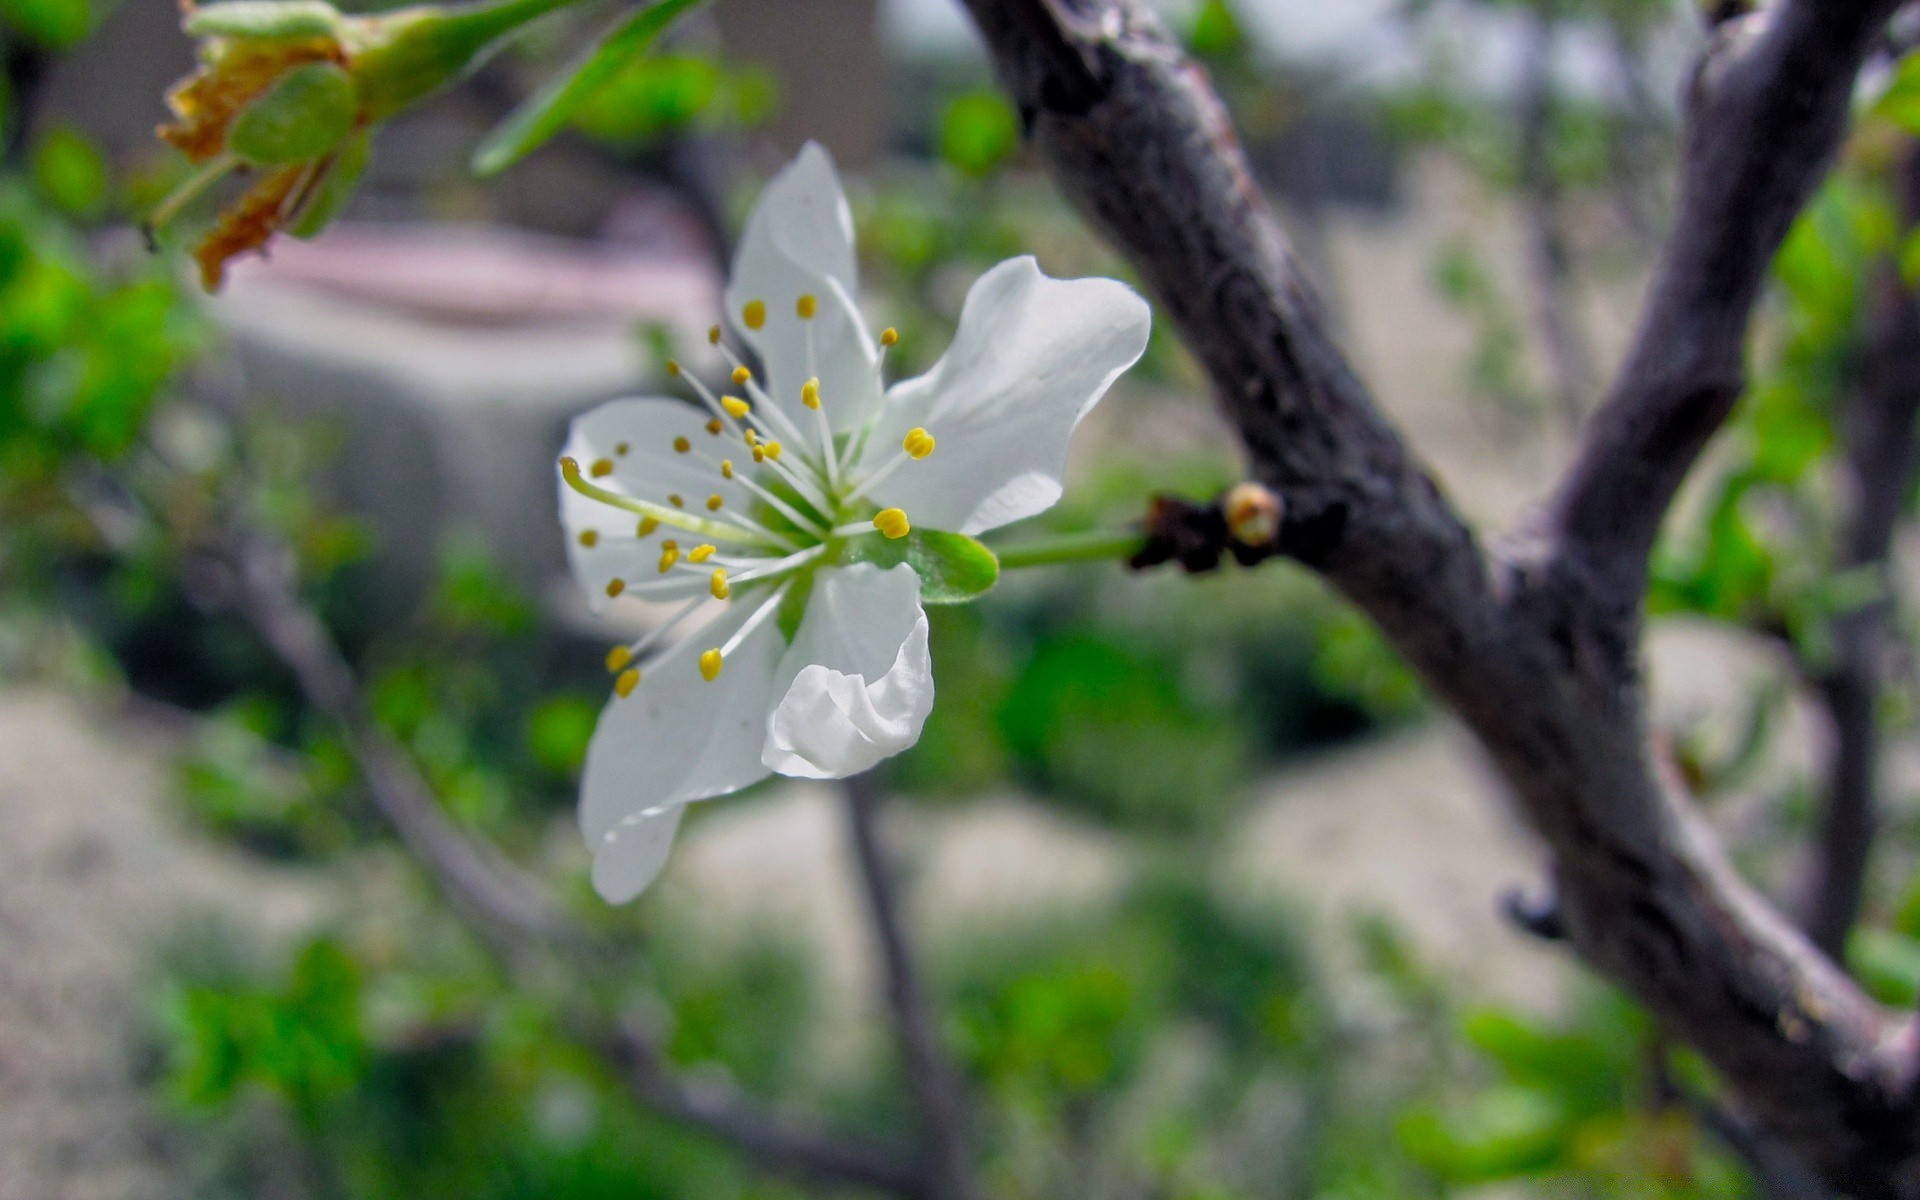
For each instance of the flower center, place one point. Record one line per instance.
(810, 490)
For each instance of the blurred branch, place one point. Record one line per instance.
(1776, 1174)
(1549, 252)
(516, 916)
(1537, 650)
(1878, 433)
(488, 891)
(1632, 156)
(633, 1051)
(935, 1085)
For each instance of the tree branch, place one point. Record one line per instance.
(1536, 653)
(1769, 106)
(934, 1084)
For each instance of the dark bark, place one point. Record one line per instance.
(934, 1084)
(1535, 649)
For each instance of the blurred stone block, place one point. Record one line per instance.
(449, 360)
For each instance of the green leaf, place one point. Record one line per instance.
(264, 19)
(548, 110)
(70, 171)
(305, 114)
(978, 132)
(953, 567)
(1900, 103)
(55, 24)
(1216, 31)
(1887, 963)
(336, 188)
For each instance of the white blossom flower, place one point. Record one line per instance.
(802, 499)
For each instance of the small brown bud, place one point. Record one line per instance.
(1253, 514)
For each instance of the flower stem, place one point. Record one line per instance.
(1071, 547)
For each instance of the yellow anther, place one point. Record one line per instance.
(715, 501)
(701, 553)
(720, 589)
(618, 658)
(754, 313)
(806, 306)
(918, 444)
(670, 544)
(773, 450)
(714, 427)
(726, 468)
(601, 467)
(751, 437)
(673, 367)
(681, 445)
(889, 336)
(759, 455)
(668, 557)
(740, 376)
(629, 679)
(615, 587)
(647, 526)
(735, 406)
(892, 522)
(810, 393)
(677, 500)
(713, 335)
(710, 664)
(589, 538)
(620, 451)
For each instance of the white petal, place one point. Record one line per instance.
(857, 684)
(1031, 358)
(799, 242)
(648, 469)
(632, 853)
(676, 739)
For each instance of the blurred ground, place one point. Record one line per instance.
(93, 875)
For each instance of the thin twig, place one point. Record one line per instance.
(938, 1095)
(1878, 433)
(1549, 250)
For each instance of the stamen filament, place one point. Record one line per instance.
(829, 456)
(659, 631)
(815, 527)
(755, 621)
(879, 476)
(712, 401)
(806, 487)
(678, 518)
(774, 419)
(780, 566)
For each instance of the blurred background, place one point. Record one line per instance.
(1206, 896)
